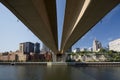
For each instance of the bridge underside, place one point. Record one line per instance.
(40, 17)
(81, 16)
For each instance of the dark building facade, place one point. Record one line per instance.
(27, 47)
(37, 48)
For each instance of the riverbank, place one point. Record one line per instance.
(81, 64)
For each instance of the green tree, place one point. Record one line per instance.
(102, 50)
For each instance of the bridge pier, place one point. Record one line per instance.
(59, 57)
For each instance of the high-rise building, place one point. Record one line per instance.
(37, 48)
(27, 47)
(96, 45)
(114, 45)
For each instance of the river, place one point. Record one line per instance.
(42, 72)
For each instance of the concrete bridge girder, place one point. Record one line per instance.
(94, 12)
(40, 17)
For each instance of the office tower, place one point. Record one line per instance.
(96, 45)
(27, 47)
(37, 48)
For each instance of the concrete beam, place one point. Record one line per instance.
(94, 12)
(39, 16)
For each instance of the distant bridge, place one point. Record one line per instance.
(41, 18)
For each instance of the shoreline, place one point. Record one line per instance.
(80, 64)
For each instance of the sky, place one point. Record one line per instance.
(106, 30)
(13, 31)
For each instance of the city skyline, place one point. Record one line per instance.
(13, 31)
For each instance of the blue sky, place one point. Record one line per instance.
(13, 31)
(105, 30)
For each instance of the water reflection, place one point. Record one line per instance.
(100, 73)
(57, 73)
(38, 72)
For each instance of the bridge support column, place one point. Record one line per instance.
(54, 57)
(59, 57)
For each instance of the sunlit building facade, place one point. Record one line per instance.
(96, 45)
(114, 45)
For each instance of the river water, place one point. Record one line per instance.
(39, 72)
